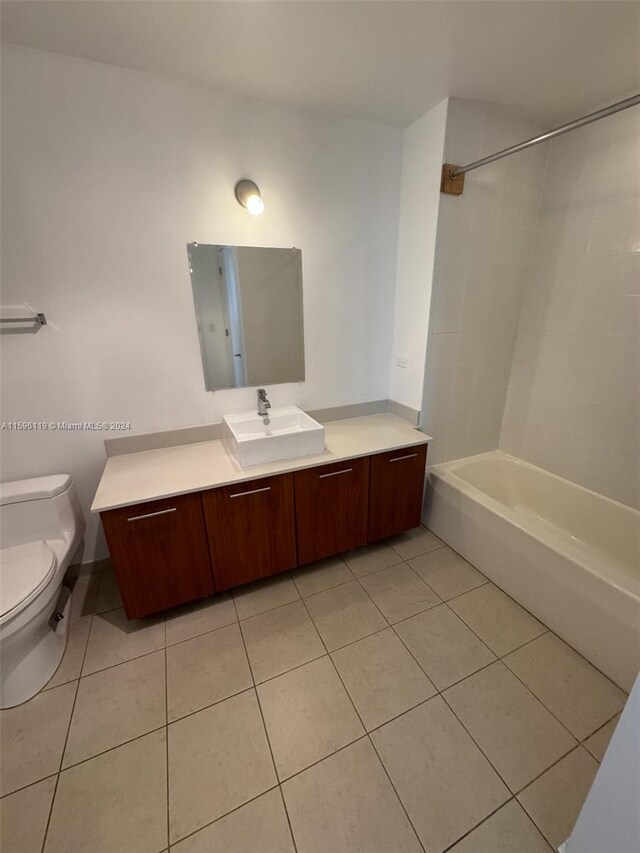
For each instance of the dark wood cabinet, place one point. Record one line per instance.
(395, 496)
(251, 529)
(174, 550)
(331, 508)
(159, 552)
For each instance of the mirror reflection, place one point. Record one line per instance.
(248, 302)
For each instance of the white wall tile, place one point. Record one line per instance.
(483, 245)
(573, 402)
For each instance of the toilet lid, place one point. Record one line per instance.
(23, 569)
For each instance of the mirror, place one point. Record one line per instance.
(248, 303)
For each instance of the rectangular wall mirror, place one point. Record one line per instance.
(248, 303)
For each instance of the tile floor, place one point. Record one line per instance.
(389, 700)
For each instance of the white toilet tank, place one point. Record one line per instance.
(40, 508)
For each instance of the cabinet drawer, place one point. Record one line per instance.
(159, 553)
(251, 529)
(397, 485)
(331, 508)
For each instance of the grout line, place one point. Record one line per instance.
(484, 820)
(595, 731)
(404, 809)
(222, 816)
(114, 665)
(467, 591)
(268, 609)
(517, 793)
(66, 739)
(286, 811)
(367, 735)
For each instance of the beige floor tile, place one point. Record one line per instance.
(116, 705)
(115, 639)
(554, 800)
(280, 640)
(415, 542)
(345, 804)
(371, 558)
(71, 663)
(443, 645)
(447, 573)
(83, 595)
(308, 715)
(515, 731)
(344, 614)
(219, 759)
(597, 744)
(580, 696)
(32, 737)
(24, 816)
(399, 592)
(205, 670)
(497, 619)
(199, 617)
(259, 827)
(263, 595)
(509, 830)
(322, 575)
(108, 597)
(114, 802)
(445, 783)
(381, 677)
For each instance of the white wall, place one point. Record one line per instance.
(483, 246)
(107, 174)
(422, 153)
(573, 405)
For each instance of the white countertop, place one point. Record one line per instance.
(133, 478)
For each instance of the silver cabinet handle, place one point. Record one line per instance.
(335, 473)
(152, 514)
(251, 492)
(400, 458)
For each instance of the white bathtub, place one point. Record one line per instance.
(567, 554)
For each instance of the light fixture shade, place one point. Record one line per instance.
(248, 195)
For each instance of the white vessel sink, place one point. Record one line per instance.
(283, 434)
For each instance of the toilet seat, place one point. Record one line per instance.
(24, 570)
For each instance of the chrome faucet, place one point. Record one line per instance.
(263, 403)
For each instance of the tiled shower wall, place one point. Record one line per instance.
(573, 400)
(483, 247)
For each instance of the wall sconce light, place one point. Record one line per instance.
(248, 195)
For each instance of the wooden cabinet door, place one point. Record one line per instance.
(331, 508)
(159, 552)
(251, 529)
(397, 485)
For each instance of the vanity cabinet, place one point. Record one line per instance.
(331, 508)
(160, 553)
(170, 551)
(395, 496)
(251, 529)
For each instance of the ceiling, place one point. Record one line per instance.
(548, 60)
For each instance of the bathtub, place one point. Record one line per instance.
(567, 554)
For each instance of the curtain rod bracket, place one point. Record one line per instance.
(451, 182)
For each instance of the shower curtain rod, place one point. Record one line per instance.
(453, 176)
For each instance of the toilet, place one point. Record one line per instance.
(41, 526)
